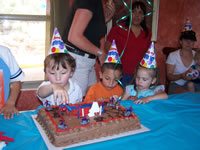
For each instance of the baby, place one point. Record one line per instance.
(194, 72)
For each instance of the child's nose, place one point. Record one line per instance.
(57, 77)
(140, 80)
(111, 82)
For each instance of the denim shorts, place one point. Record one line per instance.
(173, 87)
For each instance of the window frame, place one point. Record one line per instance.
(30, 85)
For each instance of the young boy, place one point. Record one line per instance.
(194, 84)
(59, 67)
(108, 87)
(12, 76)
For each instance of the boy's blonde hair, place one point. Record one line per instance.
(60, 58)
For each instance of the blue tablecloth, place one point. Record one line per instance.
(174, 124)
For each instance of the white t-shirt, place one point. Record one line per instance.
(174, 58)
(16, 74)
(74, 92)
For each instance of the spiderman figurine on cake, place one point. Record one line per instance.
(84, 121)
(62, 125)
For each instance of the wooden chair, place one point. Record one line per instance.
(166, 52)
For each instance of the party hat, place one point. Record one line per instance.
(149, 59)
(188, 26)
(57, 44)
(113, 56)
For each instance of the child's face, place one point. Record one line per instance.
(60, 76)
(108, 78)
(144, 79)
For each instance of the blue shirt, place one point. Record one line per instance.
(140, 94)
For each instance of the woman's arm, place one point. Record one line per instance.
(76, 36)
(104, 54)
(172, 77)
(107, 45)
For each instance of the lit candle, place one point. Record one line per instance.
(82, 112)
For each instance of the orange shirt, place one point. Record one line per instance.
(97, 91)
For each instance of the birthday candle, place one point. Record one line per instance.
(82, 112)
(78, 114)
(100, 110)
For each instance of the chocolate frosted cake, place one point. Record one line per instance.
(66, 125)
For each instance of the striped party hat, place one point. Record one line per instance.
(188, 26)
(149, 59)
(113, 56)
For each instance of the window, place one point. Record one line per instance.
(23, 31)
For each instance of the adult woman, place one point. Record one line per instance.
(84, 38)
(138, 42)
(179, 62)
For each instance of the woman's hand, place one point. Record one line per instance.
(109, 10)
(102, 58)
(185, 77)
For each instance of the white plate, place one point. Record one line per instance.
(52, 147)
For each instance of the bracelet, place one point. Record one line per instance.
(99, 52)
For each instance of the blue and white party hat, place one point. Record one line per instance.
(113, 56)
(149, 59)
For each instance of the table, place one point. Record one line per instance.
(174, 124)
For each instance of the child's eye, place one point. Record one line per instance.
(52, 73)
(63, 72)
(107, 78)
(144, 79)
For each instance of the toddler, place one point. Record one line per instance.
(145, 87)
(194, 72)
(59, 68)
(108, 86)
(111, 72)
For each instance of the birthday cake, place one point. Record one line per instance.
(75, 123)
